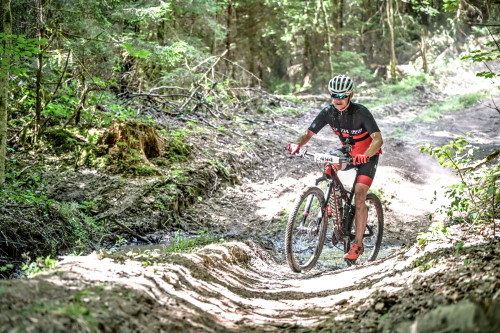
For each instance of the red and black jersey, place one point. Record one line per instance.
(356, 122)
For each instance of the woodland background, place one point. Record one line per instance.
(114, 85)
(71, 63)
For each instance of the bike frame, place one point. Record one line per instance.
(348, 214)
(334, 182)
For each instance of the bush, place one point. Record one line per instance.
(475, 198)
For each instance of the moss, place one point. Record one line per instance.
(161, 161)
(91, 156)
(177, 150)
(144, 170)
(61, 140)
(131, 139)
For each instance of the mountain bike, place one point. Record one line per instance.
(315, 209)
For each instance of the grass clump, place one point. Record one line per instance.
(452, 104)
(291, 111)
(181, 243)
(81, 230)
(424, 263)
(400, 91)
(437, 231)
(39, 265)
(37, 226)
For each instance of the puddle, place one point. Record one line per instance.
(332, 257)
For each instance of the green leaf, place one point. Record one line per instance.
(42, 41)
(143, 54)
(487, 75)
(99, 82)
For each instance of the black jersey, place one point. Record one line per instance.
(356, 122)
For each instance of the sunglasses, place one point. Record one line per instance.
(339, 96)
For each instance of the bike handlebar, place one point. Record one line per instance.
(322, 157)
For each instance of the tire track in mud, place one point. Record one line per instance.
(235, 286)
(242, 286)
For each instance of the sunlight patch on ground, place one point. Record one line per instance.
(228, 296)
(460, 79)
(328, 282)
(236, 284)
(413, 199)
(269, 201)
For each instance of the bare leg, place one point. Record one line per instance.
(361, 216)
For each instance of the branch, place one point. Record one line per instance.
(60, 80)
(483, 161)
(483, 24)
(204, 96)
(244, 69)
(460, 173)
(76, 113)
(166, 87)
(198, 86)
(259, 90)
(495, 104)
(132, 232)
(494, 40)
(154, 95)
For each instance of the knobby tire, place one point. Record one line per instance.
(306, 231)
(375, 223)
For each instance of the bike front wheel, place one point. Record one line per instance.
(372, 237)
(306, 230)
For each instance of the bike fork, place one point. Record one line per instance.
(307, 209)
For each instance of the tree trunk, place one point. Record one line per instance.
(423, 51)
(390, 23)
(329, 37)
(229, 35)
(213, 44)
(38, 87)
(4, 87)
(367, 35)
(79, 107)
(308, 67)
(308, 49)
(338, 23)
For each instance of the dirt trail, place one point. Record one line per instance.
(245, 286)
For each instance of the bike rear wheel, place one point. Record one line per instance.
(306, 230)
(372, 238)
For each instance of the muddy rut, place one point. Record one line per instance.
(244, 285)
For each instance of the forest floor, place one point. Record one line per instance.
(244, 284)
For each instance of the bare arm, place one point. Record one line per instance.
(304, 138)
(377, 142)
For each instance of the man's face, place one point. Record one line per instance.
(340, 101)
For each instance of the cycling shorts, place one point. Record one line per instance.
(366, 171)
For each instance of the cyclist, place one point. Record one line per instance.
(360, 137)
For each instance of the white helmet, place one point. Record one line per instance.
(341, 84)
